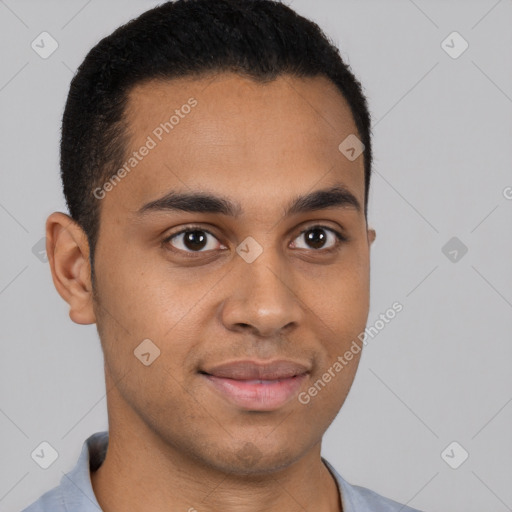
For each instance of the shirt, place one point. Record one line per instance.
(75, 492)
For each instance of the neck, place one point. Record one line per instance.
(141, 472)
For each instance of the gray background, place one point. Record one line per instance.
(439, 372)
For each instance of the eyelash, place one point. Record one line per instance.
(192, 254)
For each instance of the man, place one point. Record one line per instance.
(216, 161)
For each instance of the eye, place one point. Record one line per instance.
(193, 239)
(319, 236)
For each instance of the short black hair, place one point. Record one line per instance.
(260, 39)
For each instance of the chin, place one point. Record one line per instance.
(249, 459)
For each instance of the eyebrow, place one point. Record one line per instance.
(337, 196)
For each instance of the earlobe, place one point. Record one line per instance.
(68, 254)
(371, 235)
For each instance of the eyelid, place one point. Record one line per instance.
(323, 226)
(340, 237)
(191, 227)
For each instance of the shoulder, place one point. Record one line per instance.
(50, 501)
(366, 499)
(75, 492)
(360, 499)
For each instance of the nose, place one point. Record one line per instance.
(263, 298)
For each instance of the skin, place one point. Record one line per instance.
(175, 443)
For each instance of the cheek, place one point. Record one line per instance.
(339, 295)
(139, 294)
(141, 300)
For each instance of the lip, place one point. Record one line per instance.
(252, 370)
(256, 386)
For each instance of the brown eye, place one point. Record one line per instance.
(320, 238)
(193, 240)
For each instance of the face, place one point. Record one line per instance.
(240, 276)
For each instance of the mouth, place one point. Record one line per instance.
(254, 386)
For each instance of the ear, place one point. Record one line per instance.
(371, 235)
(67, 249)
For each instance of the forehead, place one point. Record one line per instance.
(257, 142)
(229, 101)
